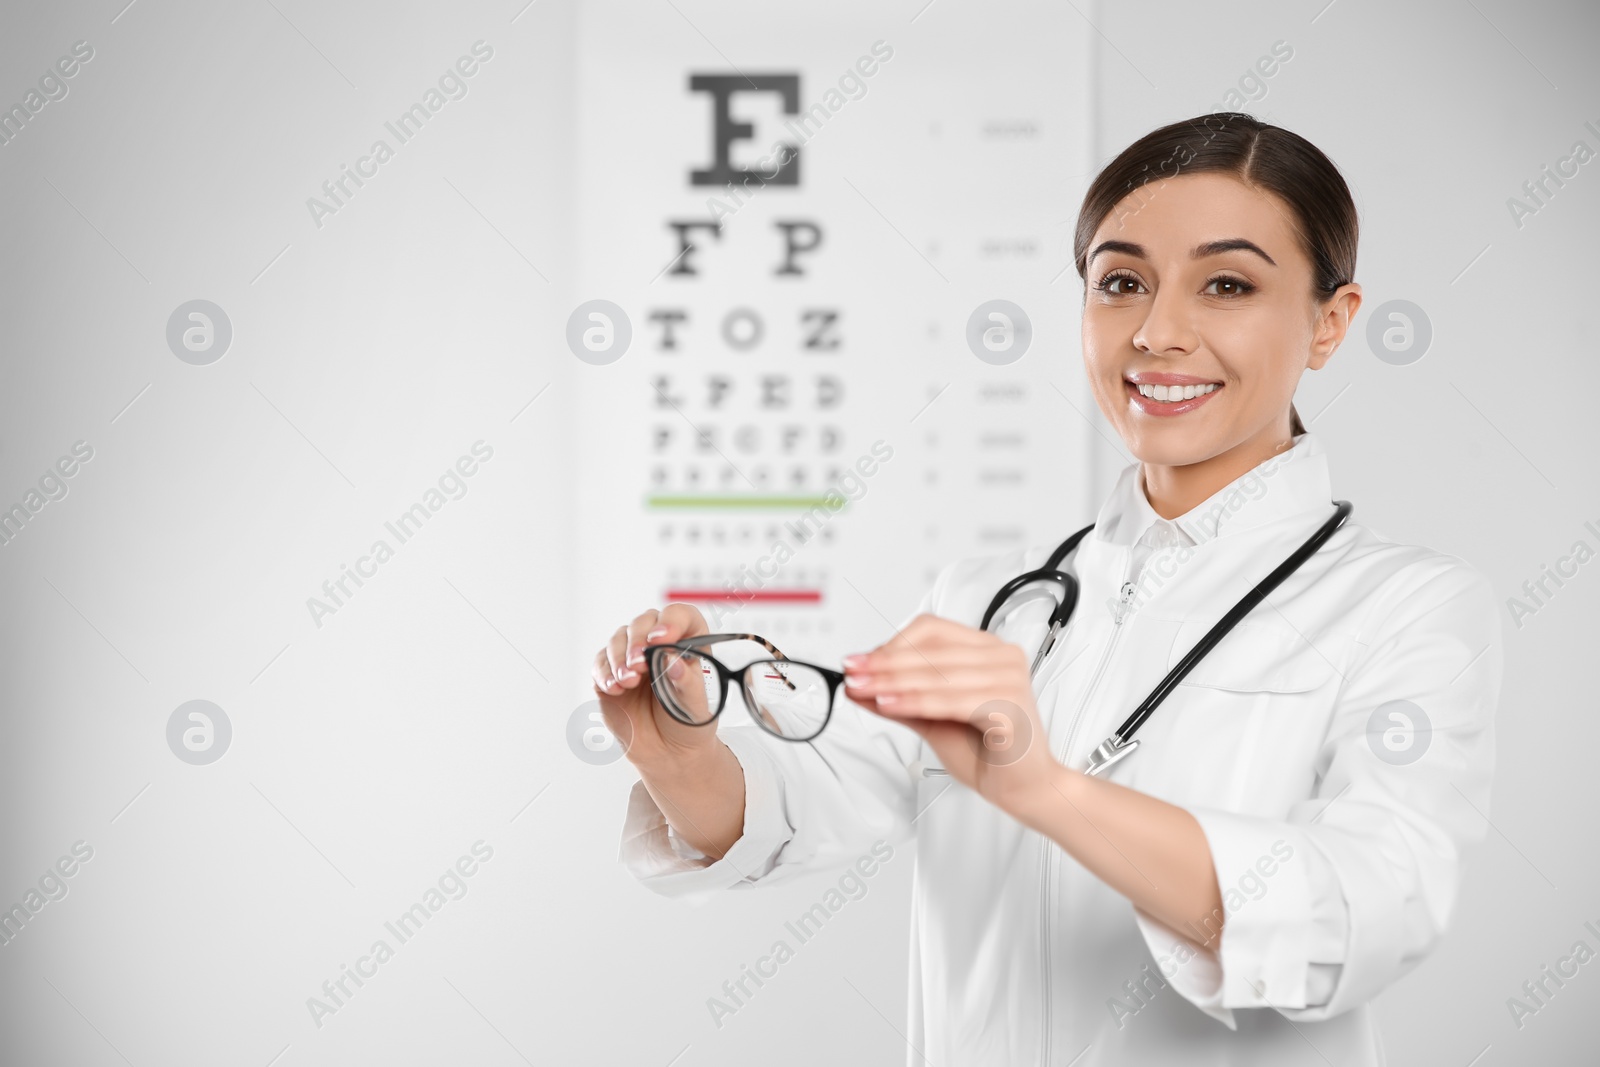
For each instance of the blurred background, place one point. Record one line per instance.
(366, 365)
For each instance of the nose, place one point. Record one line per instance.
(1167, 328)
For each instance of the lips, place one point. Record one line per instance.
(1162, 378)
(1150, 405)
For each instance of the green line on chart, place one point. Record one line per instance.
(737, 500)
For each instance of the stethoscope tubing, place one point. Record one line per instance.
(1246, 604)
(1121, 743)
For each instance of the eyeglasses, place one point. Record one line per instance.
(787, 698)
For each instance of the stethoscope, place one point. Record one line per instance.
(1122, 743)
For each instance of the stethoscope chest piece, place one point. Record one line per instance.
(1112, 750)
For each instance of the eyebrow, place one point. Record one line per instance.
(1210, 248)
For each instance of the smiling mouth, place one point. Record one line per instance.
(1174, 394)
(1169, 401)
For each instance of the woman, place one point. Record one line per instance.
(1286, 842)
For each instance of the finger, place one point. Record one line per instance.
(921, 705)
(645, 620)
(933, 631)
(951, 740)
(866, 700)
(1000, 658)
(949, 682)
(604, 679)
(976, 677)
(624, 719)
(961, 702)
(617, 654)
(675, 622)
(942, 737)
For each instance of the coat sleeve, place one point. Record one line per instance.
(808, 806)
(1329, 906)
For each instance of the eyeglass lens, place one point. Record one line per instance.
(788, 699)
(688, 686)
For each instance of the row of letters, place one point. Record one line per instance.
(771, 392)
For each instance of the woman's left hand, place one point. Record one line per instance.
(968, 694)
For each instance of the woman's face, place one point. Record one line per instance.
(1200, 279)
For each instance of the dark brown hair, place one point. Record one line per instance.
(1269, 157)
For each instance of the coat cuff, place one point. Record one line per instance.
(1194, 970)
(1264, 878)
(671, 867)
(1270, 876)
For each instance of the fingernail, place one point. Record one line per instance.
(627, 675)
(885, 699)
(855, 660)
(636, 654)
(659, 631)
(857, 681)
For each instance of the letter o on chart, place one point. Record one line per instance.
(744, 339)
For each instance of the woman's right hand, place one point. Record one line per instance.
(651, 737)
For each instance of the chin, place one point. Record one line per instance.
(1166, 448)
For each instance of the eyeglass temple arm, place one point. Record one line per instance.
(712, 639)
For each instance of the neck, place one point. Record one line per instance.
(1175, 490)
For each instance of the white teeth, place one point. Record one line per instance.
(1174, 393)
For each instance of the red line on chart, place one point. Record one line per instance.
(776, 596)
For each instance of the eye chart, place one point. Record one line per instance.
(826, 309)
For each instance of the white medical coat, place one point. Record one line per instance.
(1339, 868)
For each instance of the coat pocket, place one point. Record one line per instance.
(1253, 657)
(1253, 697)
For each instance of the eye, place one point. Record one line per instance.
(1237, 287)
(1113, 283)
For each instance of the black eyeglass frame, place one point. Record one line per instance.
(654, 655)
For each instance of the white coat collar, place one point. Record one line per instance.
(1293, 481)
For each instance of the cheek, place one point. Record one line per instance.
(1255, 351)
(1104, 342)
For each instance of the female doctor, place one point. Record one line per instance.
(1286, 841)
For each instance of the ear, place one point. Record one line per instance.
(1333, 322)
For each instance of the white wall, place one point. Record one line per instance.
(373, 347)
